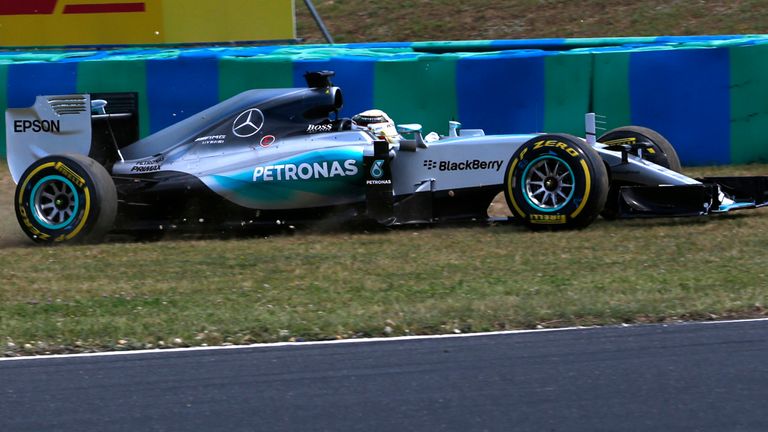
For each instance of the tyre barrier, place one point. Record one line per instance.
(706, 93)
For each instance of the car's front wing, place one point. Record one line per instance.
(712, 195)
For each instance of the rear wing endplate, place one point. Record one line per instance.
(53, 125)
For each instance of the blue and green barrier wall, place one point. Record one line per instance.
(707, 94)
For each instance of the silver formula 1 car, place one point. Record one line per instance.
(280, 156)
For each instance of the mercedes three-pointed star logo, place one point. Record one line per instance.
(248, 123)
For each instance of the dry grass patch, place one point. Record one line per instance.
(422, 20)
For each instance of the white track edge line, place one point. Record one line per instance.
(356, 341)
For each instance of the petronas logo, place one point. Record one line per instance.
(377, 170)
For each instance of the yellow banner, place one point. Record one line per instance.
(149, 22)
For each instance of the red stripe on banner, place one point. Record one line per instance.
(104, 8)
(27, 7)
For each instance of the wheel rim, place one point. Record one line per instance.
(548, 183)
(55, 202)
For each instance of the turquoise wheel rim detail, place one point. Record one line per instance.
(55, 202)
(548, 183)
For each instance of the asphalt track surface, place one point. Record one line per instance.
(691, 377)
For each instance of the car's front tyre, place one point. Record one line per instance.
(556, 181)
(659, 151)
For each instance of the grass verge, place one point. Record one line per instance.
(419, 20)
(315, 285)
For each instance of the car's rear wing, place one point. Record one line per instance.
(53, 125)
(95, 125)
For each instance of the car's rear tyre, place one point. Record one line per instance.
(556, 181)
(68, 198)
(661, 152)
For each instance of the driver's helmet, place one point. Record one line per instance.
(378, 122)
(371, 116)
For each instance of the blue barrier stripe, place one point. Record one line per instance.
(354, 76)
(179, 88)
(684, 95)
(501, 94)
(26, 81)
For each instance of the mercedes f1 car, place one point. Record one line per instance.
(277, 156)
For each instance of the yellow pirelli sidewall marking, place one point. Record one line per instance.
(32, 229)
(548, 219)
(556, 144)
(509, 188)
(588, 179)
(32, 174)
(86, 212)
(23, 211)
(620, 141)
(71, 175)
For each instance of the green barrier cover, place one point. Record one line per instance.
(610, 91)
(567, 94)
(420, 88)
(237, 75)
(116, 76)
(749, 93)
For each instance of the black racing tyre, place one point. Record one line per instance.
(66, 198)
(556, 181)
(661, 153)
